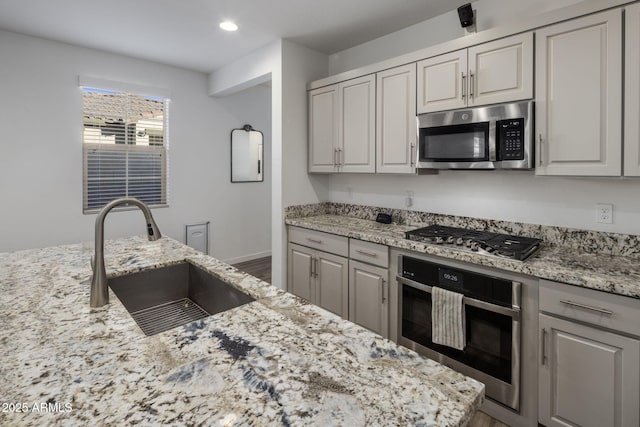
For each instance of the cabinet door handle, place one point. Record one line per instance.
(367, 253)
(382, 287)
(411, 151)
(464, 86)
(544, 346)
(588, 307)
(471, 84)
(318, 241)
(540, 153)
(340, 157)
(315, 267)
(311, 264)
(335, 157)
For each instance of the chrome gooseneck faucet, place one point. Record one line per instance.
(99, 288)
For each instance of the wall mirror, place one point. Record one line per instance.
(246, 155)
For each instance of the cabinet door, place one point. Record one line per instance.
(332, 283)
(579, 96)
(501, 71)
(323, 129)
(301, 282)
(368, 299)
(396, 120)
(632, 91)
(356, 141)
(587, 377)
(442, 82)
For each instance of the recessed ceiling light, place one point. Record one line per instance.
(228, 26)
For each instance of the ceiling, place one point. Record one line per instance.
(185, 33)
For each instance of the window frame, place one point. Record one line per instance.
(88, 147)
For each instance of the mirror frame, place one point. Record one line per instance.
(248, 128)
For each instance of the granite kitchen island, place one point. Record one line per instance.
(274, 361)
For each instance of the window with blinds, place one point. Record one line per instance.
(125, 148)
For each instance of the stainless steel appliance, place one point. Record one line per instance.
(493, 323)
(492, 137)
(485, 242)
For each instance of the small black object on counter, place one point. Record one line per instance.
(383, 218)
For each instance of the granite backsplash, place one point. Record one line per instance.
(581, 240)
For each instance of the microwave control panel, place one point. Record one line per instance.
(510, 135)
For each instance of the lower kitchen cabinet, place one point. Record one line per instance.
(348, 277)
(368, 297)
(320, 278)
(588, 375)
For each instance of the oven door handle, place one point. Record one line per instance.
(514, 313)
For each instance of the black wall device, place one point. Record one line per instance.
(465, 13)
(383, 218)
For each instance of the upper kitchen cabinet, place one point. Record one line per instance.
(632, 91)
(442, 83)
(396, 120)
(342, 127)
(323, 129)
(499, 71)
(579, 96)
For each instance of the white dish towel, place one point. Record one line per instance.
(447, 318)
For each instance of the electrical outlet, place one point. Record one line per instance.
(604, 213)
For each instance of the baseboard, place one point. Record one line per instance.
(245, 258)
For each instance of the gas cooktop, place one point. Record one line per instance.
(484, 242)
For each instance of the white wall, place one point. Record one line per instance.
(506, 195)
(299, 66)
(290, 67)
(489, 14)
(41, 152)
(245, 221)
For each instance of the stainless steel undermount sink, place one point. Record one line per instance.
(163, 298)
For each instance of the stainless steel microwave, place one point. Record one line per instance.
(492, 137)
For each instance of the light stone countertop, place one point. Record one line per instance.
(614, 274)
(275, 361)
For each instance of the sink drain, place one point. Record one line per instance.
(160, 318)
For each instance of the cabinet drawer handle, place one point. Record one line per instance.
(318, 241)
(371, 254)
(588, 307)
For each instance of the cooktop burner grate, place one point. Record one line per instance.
(501, 245)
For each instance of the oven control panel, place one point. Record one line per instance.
(510, 136)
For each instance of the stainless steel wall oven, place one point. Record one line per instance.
(493, 324)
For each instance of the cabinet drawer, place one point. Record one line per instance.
(372, 253)
(331, 243)
(606, 310)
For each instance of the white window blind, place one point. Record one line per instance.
(125, 148)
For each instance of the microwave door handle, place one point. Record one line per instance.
(493, 131)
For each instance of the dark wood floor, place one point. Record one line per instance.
(261, 268)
